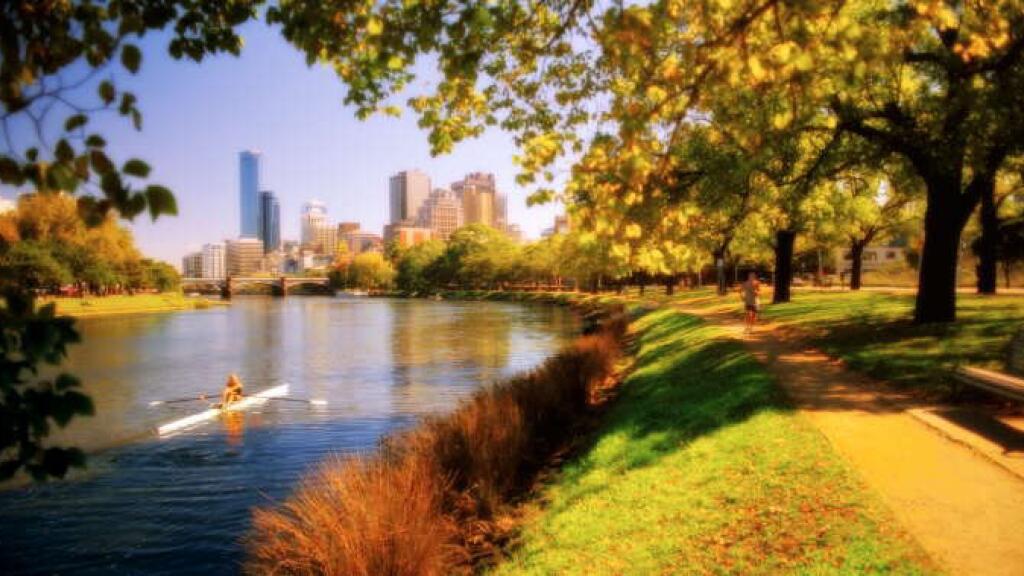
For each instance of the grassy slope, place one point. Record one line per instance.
(873, 333)
(700, 467)
(123, 304)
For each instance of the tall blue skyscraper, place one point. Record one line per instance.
(270, 221)
(249, 193)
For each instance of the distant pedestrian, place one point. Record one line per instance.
(750, 292)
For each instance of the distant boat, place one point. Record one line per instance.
(358, 293)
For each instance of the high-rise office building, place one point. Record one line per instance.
(477, 192)
(501, 211)
(248, 193)
(192, 265)
(243, 256)
(442, 213)
(326, 242)
(213, 261)
(270, 222)
(314, 217)
(407, 191)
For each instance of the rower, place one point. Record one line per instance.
(232, 391)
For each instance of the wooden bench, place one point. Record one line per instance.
(1001, 383)
(991, 381)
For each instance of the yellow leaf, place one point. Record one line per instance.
(374, 26)
(756, 69)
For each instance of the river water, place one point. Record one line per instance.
(149, 505)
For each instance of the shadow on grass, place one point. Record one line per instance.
(675, 395)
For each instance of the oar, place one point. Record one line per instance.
(303, 400)
(178, 400)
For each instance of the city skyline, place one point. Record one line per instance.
(198, 117)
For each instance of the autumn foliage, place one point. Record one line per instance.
(431, 499)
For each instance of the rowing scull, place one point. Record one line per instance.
(246, 402)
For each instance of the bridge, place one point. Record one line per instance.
(227, 287)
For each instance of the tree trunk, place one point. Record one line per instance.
(988, 251)
(784, 240)
(857, 254)
(720, 272)
(936, 293)
(670, 284)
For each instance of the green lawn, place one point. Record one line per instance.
(873, 333)
(124, 304)
(700, 467)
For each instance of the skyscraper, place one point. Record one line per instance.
(477, 191)
(501, 211)
(213, 261)
(314, 216)
(248, 193)
(407, 191)
(442, 213)
(270, 222)
(192, 265)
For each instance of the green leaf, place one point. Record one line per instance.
(161, 201)
(107, 91)
(95, 141)
(10, 172)
(76, 121)
(113, 188)
(100, 163)
(131, 57)
(127, 103)
(136, 167)
(63, 151)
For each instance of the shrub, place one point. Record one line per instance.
(428, 500)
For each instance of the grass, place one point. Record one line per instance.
(125, 304)
(431, 499)
(873, 332)
(701, 467)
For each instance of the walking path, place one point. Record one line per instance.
(965, 505)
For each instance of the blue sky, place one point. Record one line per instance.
(198, 117)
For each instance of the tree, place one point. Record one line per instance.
(862, 207)
(32, 265)
(996, 206)
(51, 52)
(412, 267)
(370, 271)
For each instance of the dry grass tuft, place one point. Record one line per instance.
(428, 501)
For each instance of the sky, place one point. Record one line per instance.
(198, 117)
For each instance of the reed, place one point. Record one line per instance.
(429, 500)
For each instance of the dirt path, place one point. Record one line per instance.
(966, 510)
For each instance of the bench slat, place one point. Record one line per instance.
(996, 382)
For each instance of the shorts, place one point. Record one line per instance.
(751, 307)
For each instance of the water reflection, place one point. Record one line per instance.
(178, 505)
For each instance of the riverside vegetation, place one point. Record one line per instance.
(698, 463)
(434, 499)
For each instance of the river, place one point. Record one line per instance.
(149, 505)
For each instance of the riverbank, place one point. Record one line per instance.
(92, 306)
(700, 465)
(437, 498)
